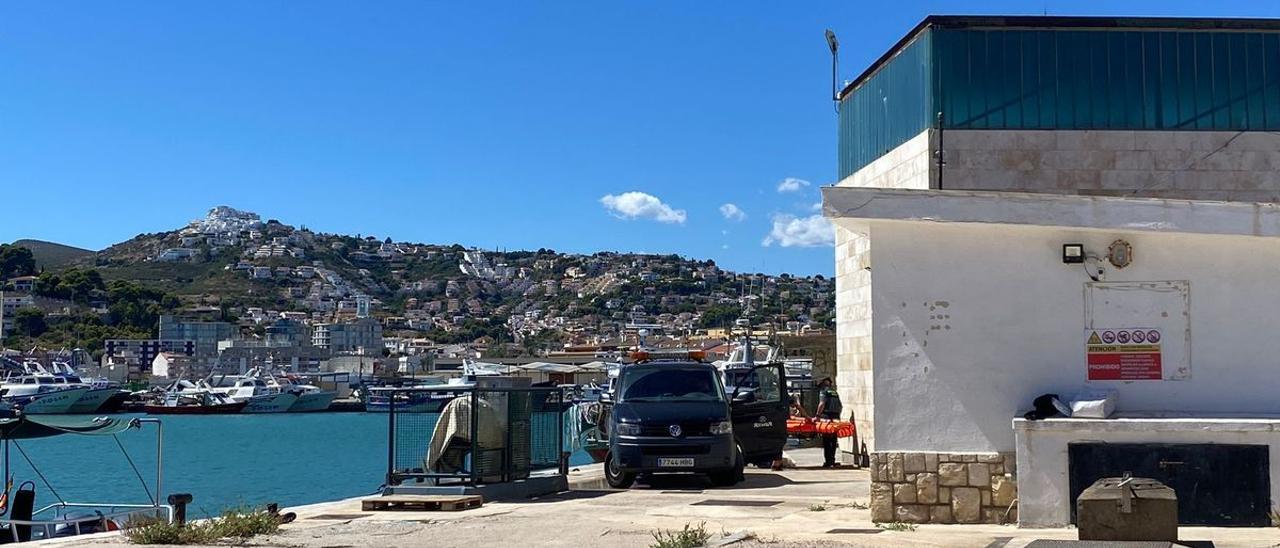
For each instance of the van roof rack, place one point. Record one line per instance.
(648, 355)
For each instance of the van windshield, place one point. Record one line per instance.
(670, 385)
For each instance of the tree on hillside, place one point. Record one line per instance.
(74, 284)
(720, 316)
(29, 321)
(135, 306)
(16, 261)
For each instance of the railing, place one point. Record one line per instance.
(121, 514)
(493, 434)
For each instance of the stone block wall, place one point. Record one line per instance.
(918, 487)
(1191, 165)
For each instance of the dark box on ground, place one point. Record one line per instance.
(1127, 509)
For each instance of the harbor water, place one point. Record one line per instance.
(225, 461)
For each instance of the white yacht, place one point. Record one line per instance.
(40, 394)
(310, 397)
(100, 390)
(261, 397)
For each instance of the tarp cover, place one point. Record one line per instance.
(43, 426)
(547, 367)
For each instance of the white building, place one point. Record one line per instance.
(960, 299)
(174, 254)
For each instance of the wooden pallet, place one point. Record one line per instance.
(422, 503)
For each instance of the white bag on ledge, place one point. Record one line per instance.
(1094, 403)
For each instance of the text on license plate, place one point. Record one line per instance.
(675, 463)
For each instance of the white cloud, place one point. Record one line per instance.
(792, 184)
(792, 231)
(639, 205)
(816, 207)
(732, 212)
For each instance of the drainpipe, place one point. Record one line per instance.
(939, 154)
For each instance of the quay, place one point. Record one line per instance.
(790, 508)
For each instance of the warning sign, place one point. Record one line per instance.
(1125, 354)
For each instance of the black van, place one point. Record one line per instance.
(675, 416)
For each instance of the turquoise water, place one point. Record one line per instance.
(223, 460)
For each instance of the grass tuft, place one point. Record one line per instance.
(897, 526)
(689, 537)
(236, 524)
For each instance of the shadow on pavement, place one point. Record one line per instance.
(693, 482)
(570, 495)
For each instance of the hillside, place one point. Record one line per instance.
(50, 255)
(253, 271)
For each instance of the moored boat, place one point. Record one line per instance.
(52, 402)
(417, 402)
(269, 403)
(310, 398)
(313, 401)
(194, 403)
(100, 390)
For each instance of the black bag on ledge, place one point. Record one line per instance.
(1046, 406)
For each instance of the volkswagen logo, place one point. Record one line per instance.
(674, 430)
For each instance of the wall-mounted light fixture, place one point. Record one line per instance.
(1120, 253)
(1072, 253)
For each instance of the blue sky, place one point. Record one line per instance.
(575, 126)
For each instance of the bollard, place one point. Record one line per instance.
(179, 502)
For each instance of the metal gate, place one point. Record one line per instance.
(464, 435)
(1217, 484)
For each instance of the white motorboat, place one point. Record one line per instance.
(100, 390)
(260, 397)
(40, 394)
(310, 397)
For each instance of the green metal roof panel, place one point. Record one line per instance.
(1064, 73)
(889, 108)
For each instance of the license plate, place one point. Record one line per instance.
(675, 463)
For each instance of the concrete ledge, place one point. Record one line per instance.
(1154, 422)
(1057, 210)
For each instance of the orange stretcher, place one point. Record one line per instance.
(803, 425)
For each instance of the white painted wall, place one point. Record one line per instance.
(972, 321)
(905, 167)
(1043, 481)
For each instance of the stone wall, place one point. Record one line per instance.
(1191, 165)
(943, 487)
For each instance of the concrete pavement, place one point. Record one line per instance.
(808, 506)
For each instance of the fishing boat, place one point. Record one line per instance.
(417, 402)
(421, 399)
(258, 396)
(40, 395)
(310, 397)
(93, 400)
(194, 402)
(23, 522)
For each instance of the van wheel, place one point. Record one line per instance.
(730, 476)
(614, 475)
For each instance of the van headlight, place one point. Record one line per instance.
(722, 427)
(625, 429)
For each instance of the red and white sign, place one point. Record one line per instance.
(1130, 358)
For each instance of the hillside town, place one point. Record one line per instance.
(243, 292)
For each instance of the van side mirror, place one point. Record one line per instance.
(745, 396)
(606, 397)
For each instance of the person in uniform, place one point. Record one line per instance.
(829, 407)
